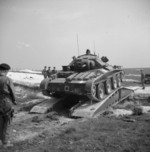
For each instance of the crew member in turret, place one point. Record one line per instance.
(88, 52)
(73, 61)
(7, 96)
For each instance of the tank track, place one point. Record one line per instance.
(97, 89)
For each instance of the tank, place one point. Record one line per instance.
(87, 76)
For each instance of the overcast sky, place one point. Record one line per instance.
(35, 33)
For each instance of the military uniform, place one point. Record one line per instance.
(49, 72)
(142, 79)
(54, 71)
(44, 72)
(7, 97)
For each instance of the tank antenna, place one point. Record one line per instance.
(94, 46)
(78, 44)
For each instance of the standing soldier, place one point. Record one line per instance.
(54, 71)
(142, 78)
(7, 96)
(44, 72)
(49, 72)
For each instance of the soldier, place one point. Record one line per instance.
(88, 52)
(73, 60)
(44, 72)
(7, 96)
(142, 78)
(49, 72)
(54, 71)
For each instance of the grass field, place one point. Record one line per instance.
(104, 134)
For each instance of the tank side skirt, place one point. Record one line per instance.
(107, 75)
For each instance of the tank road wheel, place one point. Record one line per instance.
(108, 86)
(93, 90)
(100, 91)
(118, 80)
(114, 82)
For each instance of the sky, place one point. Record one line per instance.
(38, 33)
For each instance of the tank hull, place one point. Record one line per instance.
(78, 83)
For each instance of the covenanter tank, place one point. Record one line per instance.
(87, 76)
